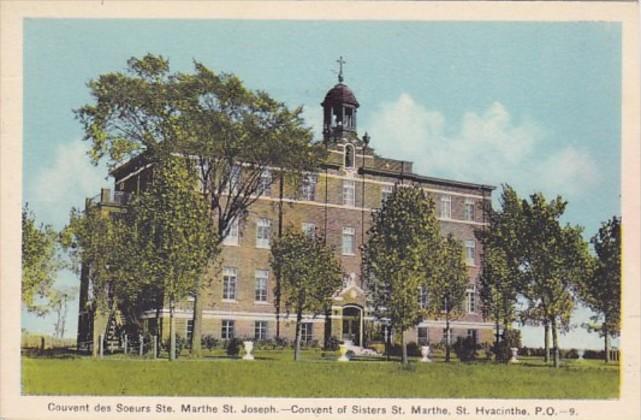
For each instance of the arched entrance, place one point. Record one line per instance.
(353, 324)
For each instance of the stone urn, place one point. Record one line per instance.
(581, 352)
(343, 350)
(249, 346)
(515, 351)
(425, 352)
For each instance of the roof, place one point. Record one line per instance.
(427, 179)
(340, 93)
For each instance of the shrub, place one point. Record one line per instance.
(332, 344)
(510, 338)
(465, 349)
(232, 346)
(209, 341)
(281, 342)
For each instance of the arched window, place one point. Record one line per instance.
(349, 156)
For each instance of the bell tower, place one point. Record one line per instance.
(339, 111)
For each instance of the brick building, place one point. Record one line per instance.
(337, 201)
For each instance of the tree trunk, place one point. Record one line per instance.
(281, 182)
(546, 340)
(555, 343)
(196, 333)
(606, 340)
(299, 325)
(158, 332)
(388, 342)
(447, 337)
(327, 333)
(404, 349)
(172, 332)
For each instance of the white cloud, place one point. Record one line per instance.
(485, 147)
(64, 183)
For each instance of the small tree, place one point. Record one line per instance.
(601, 290)
(401, 254)
(447, 288)
(310, 274)
(58, 302)
(172, 234)
(39, 262)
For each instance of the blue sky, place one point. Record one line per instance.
(535, 105)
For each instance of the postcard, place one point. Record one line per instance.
(337, 210)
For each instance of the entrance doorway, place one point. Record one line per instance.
(353, 324)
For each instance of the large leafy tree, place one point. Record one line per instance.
(310, 275)
(39, 262)
(401, 254)
(173, 236)
(601, 290)
(446, 289)
(240, 140)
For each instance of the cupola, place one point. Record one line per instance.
(339, 110)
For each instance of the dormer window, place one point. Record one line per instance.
(349, 156)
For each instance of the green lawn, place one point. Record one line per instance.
(318, 375)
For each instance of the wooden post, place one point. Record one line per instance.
(42, 345)
(101, 344)
(141, 340)
(155, 346)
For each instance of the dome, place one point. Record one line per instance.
(340, 94)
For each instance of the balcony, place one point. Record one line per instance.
(110, 198)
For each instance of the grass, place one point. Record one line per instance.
(274, 374)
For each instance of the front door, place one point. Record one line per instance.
(352, 325)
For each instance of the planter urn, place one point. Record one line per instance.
(425, 352)
(343, 350)
(249, 346)
(515, 351)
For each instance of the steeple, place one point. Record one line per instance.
(339, 110)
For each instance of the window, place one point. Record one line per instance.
(260, 330)
(470, 295)
(230, 275)
(349, 193)
(423, 337)
(306, 333)
(265, 186)
(309, 229)
(348, 241)
(263, 233)
(446, 207)
(422, 296)
(386, 191)
(231, 239)
(469, 209)
(308, 187)
(261, 285)
(227, 331)
(470, 252)
(189, 328)
(473, 335)
(349, 155)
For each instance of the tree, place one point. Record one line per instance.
(240, 140)
(401, 255)
(553, 263)
(58, 302)
(173, 236)
(601, 290)
(499, 279)
(39, 262)
(310, 275)
(447, 288)
(497, 291)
